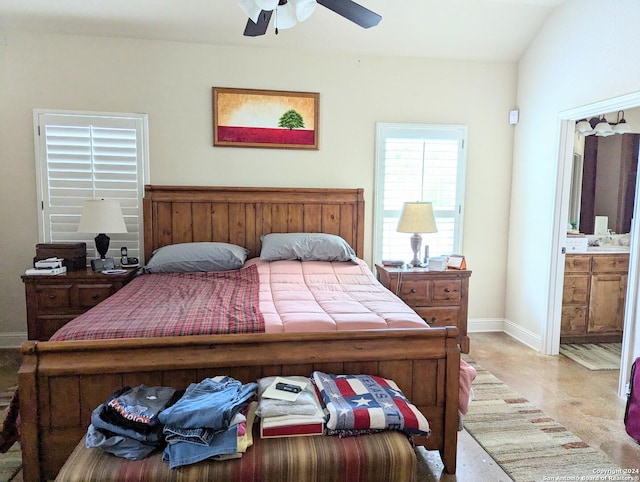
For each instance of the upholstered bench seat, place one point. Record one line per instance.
(384, 457)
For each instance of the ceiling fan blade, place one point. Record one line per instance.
(352, 11)
(254, 29)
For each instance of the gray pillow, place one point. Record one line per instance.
(305, 247)
(204, 256)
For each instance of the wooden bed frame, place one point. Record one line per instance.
(60, 383)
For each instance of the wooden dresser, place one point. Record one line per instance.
(593, 297)
(53, 301)
(439, 297)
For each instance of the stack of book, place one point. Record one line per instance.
(289, 407)
(45, 271)
(49, 266)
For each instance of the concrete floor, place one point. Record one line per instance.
(584, 401)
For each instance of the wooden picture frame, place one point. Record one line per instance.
(265, 118)
(456, 261)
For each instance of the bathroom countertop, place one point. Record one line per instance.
(608, 249)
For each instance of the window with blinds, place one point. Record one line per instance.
(418, 163)
(90, 156)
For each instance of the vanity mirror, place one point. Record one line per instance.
(603, 181)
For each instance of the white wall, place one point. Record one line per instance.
(586, 52)
(172, 83)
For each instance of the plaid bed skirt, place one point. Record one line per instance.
(384, 457)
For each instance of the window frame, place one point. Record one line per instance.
(384, 130)
(40, 146)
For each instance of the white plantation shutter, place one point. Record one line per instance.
(86, 156)
(418, 163)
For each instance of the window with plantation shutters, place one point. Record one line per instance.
(418, 163)
(81, 156)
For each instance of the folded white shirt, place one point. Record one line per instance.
(305, 404)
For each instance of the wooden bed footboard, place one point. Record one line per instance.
(60, 383)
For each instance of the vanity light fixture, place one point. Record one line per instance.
(603, 128)
(621, 126)
(600, 127)
(584, 127)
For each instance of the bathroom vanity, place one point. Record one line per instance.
(593, 299)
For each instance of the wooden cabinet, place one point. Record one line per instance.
(439, 297)
(593, 298)
(53, 301)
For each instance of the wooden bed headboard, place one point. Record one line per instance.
(240, 215)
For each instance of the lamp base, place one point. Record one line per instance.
(416, 243)
(102, 244)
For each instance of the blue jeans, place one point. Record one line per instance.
(118, 445)
(184, 451)
(210, 403)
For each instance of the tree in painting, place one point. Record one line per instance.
(291, 120)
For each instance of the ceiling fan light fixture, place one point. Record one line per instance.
(289, 12)
(303, 8)
(267, 5)
(251, 9)
(285, 16)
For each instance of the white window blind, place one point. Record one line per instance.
(418, 163)
(90, 156)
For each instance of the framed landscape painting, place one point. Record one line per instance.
(265, 118)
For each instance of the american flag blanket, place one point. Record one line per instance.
(366, 402)
(174, 304)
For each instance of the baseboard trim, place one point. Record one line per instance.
(502, 325)
(12, 340)
(485, 325)
(523, 335)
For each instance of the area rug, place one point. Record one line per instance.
(528, 445)
(594, 356)
(11, 461)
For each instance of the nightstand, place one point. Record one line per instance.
(53, 301)
(439, 297)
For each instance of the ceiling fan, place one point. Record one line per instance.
(289, 12)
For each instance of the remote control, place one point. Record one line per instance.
(285, 387)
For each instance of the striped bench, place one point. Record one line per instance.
(386, 456)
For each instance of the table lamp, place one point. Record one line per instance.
(416, 218)
(102, 216)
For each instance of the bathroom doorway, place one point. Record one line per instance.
(631, 333)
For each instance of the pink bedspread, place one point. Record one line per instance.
(174, 304)
(326, 296)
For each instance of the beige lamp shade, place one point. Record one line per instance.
(102, 216)
(417, 217)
